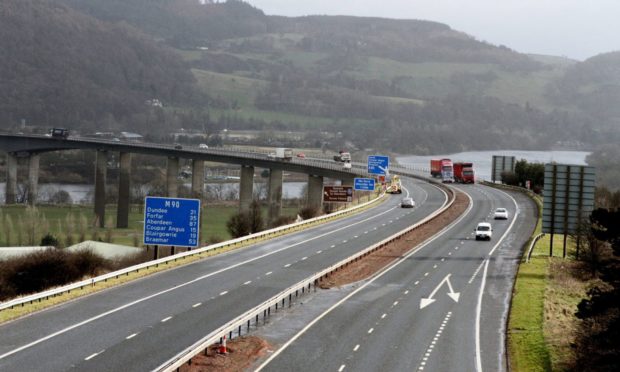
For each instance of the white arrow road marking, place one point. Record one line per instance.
(424, 302)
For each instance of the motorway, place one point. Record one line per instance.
(139, 325)
(441, 308)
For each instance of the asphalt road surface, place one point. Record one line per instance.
(442, 308)
(139, 325)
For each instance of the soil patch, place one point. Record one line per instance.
(242, 352)
(377, 260)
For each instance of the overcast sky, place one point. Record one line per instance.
(577, 29)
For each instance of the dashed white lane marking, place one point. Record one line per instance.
(344, 241)
(131, 336)
(287, 265)
(416, 283)
(449, 253)
(370, 330)
(269, 273)
(434, 266)
(93, 355)
(355, 237)
(333, 246)
(341, 368)
(356, 348)
(383, 316)
(425, 274)
(443, 259)
(428, 352)
(304, 258)
(319, 252)
(223, 293)
(407, 292)
(395, 303)
(166, 319)
(365, 232)
(196, 305)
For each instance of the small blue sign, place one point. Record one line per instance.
(364, 184)
(378, 164)
(171, 221)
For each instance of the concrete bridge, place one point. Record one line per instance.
(31, 146)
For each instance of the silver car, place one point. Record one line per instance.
(407, 203)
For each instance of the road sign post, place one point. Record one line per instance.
(500, 165)
(171, 222)
(378, 164)
(568, 199)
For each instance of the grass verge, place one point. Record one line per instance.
(541, 325)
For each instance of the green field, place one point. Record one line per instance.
(25, 227)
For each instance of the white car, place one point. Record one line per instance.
(203, 146)
(501, 214)
(484, 231)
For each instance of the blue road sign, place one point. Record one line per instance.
(378, 164)
(171, 221)
(364, 184)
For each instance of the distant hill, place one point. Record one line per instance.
(62, 67)
(404, 85)
(594, 87)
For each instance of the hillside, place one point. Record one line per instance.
(61, 67)
(405, 85)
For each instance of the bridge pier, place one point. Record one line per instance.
(33, 178)
(11, 178)
(124, 183)
(172, 172)
(198, 179)
(246, 188)
(101, 166)
(349, 181)
(315, 192)
(275, 196)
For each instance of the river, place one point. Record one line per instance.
(83, 194)
(483, 159)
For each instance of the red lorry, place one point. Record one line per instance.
(436, 167)
(464, 172)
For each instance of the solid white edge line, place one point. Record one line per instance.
(372, 280)
(478, 312)
(131, 336)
